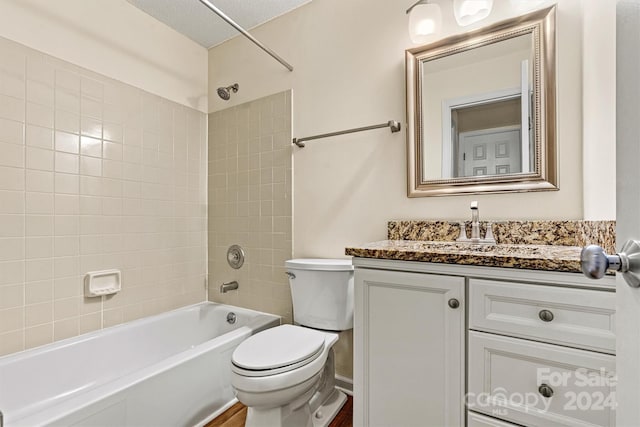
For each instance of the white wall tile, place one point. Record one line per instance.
(11, 296)
(39, 181)
(12, 155)
(38, 158)
(246, 205)
(12, 108)
(91, 127)
(112, 150)
(90, 146)
(67, 121)
(38, 269)
(67, 163)
(66, 225)
(67, 101)
(94, 174)
(11, 131)
(90, 166)
(40, 93)
(39, 115)
(38, 292)
(67, 142)
(39, 203)
(67, 183)
(40, 137)
(11, 178)
(67, 204)
(39, 225)
(38, 247)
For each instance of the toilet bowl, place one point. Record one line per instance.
(285, 375)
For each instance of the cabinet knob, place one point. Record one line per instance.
(454, 303)
(545, 390)
(545, 315)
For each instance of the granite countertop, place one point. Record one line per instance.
(532, 257)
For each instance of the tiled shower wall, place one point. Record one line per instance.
(250, 202)
(94, 174)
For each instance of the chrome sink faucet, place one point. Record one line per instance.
(475, 229)
(475, 222)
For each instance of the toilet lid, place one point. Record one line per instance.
(278, 347)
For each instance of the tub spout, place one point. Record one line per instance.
(226, 287)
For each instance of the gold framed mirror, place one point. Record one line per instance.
(481, 110)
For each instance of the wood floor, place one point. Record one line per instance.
(235, 416)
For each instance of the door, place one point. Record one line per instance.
(628, 207)
(490, 152)
(408, 349)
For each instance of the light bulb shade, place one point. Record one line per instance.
(468, 12)
(425, 20)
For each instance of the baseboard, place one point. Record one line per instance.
(345, 384)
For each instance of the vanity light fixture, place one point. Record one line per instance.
(425, 20)
(468, 12)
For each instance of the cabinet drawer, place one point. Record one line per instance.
(575, 317)
(478, 420)
(506, 375)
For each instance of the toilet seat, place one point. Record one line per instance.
(277, 350)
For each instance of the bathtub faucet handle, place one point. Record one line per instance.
(230, 286)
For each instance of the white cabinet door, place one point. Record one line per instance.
(409, 346)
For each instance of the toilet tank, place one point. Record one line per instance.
(322, 292)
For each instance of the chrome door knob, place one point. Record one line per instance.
(594, 262)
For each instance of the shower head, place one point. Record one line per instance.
(225, 92)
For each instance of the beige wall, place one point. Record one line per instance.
(94, 175)
(250, 202)
(113, 38)
(349, 71)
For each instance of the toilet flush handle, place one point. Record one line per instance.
(290, 274)
(594, 262)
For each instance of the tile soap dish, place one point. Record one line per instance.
(99, 283)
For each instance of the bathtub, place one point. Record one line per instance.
(172, 369)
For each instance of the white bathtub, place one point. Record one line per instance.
(172, 369)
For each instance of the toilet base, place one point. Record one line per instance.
(329, 409)
(300, 417)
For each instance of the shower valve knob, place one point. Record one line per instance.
(235, 256)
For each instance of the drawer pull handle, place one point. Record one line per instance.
(454, 303)
(545, 315)
(545, 390)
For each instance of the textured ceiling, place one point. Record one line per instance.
(196, 21)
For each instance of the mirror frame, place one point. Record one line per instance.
(541, 25)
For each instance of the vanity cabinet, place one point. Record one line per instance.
(409, 334)
(521, 347)
(541, 354)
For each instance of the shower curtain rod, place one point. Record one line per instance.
(242, 31)
(395, 127)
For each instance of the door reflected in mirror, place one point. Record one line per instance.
(481, 110)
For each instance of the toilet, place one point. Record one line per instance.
(285, 375)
